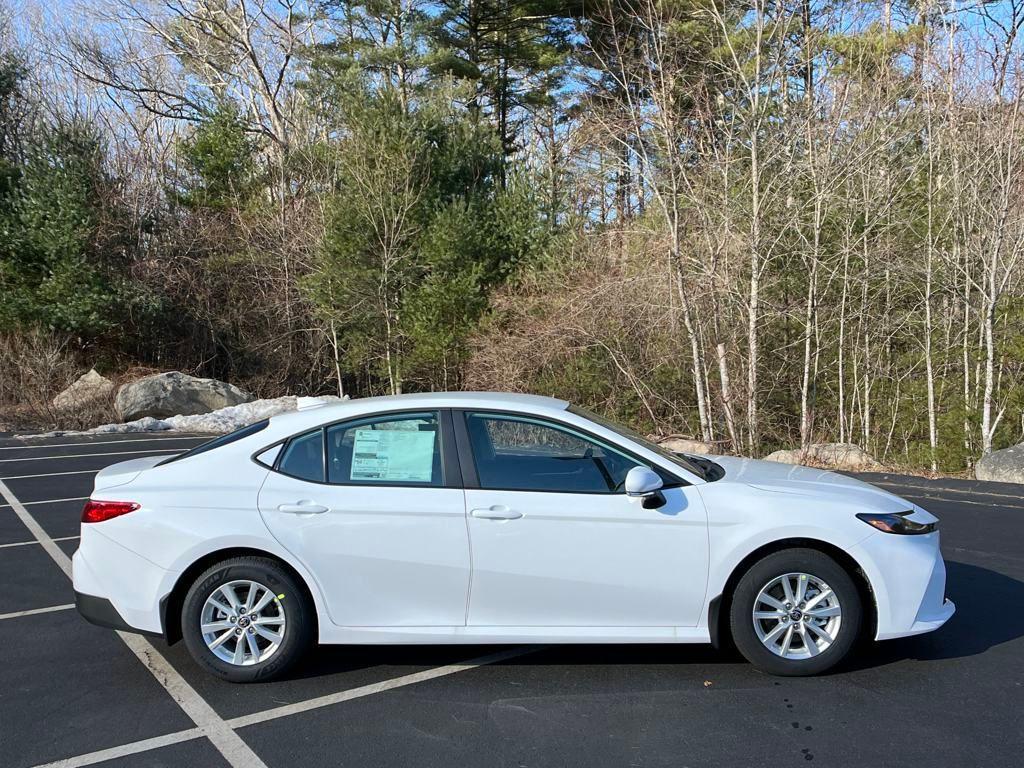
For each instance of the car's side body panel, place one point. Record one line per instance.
(587, 560)
(381, 556)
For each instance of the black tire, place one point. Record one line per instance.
(808, 561)
(294, 605)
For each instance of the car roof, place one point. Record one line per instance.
(312, 416)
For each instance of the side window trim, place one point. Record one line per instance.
(451, 475)
(467, 460)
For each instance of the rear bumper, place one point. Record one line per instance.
(117, 588)
(102, 613)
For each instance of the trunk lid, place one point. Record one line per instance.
(125, 472)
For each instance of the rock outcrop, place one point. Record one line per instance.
(1005, 466)
(88, 390)
(831, 455)
(686, 445)
(175, 394)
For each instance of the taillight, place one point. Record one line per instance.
(98, 511)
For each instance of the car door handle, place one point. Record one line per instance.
(302, 508)
(496, 512)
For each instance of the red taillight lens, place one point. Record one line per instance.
(98, 511)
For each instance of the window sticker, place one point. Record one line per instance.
(391, 455)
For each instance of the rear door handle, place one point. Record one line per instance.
(497, 512)
(302, 508)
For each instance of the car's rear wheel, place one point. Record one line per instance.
(247, 619)
(795, 612)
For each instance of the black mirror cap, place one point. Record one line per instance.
(654, 500)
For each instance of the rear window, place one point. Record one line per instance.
(218, 442)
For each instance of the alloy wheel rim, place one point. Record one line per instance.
(797, 616)
(243, 622)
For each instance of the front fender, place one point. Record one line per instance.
(743, 520)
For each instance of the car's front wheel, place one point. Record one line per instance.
(795, 612)
(247, 619)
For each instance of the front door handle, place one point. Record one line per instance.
(497, 512)
(302, 508)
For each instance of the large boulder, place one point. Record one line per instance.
(832, 455)
(89, 389)
(1006, 466)
(678, 444)
(174, 394)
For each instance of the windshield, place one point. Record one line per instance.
(680, 460)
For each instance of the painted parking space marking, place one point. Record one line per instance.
(224, 738)
(52, 474)
(87, 455)
(35, 611)
(287, 710)
(34, 542)
(44, 501)
(935, 494)
(943, 489)
(385, 685)
(209, 724)
(124, 750)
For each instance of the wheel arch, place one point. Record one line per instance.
(718, 607)
(172, 603)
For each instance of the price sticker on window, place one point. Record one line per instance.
(392, 455)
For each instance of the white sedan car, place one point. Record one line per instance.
(494, 518)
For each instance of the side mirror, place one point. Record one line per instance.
(645, 483)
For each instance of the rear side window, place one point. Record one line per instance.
(399, 449)
(303, 457)
(221, 441)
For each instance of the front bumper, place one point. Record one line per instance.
(908, 578)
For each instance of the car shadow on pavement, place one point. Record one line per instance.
(981, 621)
(328, 660)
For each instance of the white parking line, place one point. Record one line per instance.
(90, 455)
(52, 474)
(27, 543)
(34, 611)
(372, 688)
(48, 501)
(220, 732)
(125, 749)
(228, 743)
(932, 489)
(933, 494)
(104, 442)
(145, 745)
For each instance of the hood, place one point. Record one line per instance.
(776, 477)
(124, 472)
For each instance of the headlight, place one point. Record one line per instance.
(896, 522)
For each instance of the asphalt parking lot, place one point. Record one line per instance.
(73, 694)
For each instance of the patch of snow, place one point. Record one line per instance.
(221, 421)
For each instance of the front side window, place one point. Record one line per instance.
(519, 453)
(399, 449)
(702, 468)
(303, 457)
